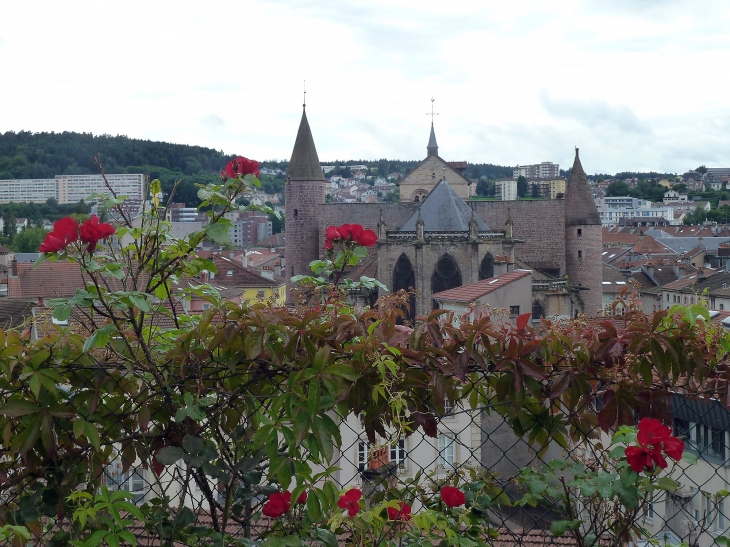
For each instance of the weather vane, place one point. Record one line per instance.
(432, 114)
(304, 105)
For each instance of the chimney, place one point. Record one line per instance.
(230, 255)
(41, 304)
(204, 276)
(14, 268)
(277, 268)
(244, 260)
(700, 273)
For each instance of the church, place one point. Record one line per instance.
(435, 238)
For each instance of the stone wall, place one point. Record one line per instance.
(427, 174)
(540, 224)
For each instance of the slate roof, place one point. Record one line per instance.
(14, 312)
(580, 208)
(444, 211)
(474, 291)
(240, 276)
(682, 244)
(304, 164)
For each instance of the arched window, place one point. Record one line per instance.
(405, 278)
(446, 275)
(537, 311)
(486, 268)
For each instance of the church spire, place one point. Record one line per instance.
(304, 163)
(580, 208)
(432, 148)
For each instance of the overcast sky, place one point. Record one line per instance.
(636, 84)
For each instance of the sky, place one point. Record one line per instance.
(638, 85)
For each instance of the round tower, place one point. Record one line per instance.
(583, 235)
(304, 196)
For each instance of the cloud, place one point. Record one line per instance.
(594, 113)
(213, 122)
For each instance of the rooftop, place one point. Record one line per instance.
(474, 291)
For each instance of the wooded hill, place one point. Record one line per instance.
(25, 155)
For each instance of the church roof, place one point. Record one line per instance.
(580, 209)
(304, 164)
(444, 211)
(475, 291)
(432, 139)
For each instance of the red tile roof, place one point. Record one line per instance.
(474, 291)
(50, 279)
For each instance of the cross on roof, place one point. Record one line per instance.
(432, 114)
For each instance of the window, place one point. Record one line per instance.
(260, 295)
(580, 232)
(59, 322)
(720, 520)
(580, 254)
(398, 453)
(206, 306)
(229, 272)
(447, 451)
(514, 311)
(363, 455)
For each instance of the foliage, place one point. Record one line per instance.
(244, 401)
(28, 240)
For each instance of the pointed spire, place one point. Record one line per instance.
(382, 231)
(580, 208)
(473, 227)
(432, 149)
(419, 226)
(304, 164)
(509, 224)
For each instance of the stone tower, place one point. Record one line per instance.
(583, 236)
(304, 194)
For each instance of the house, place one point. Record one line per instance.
(510, 291)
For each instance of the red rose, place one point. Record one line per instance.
(302, 499)
(452, 497)
(653, 438)
(367, 238)
(92, 231)
(402, 512)
(350, 501)
(333, 233)
(328, 244)
(240, 167)
(277, 504)
(65, 231)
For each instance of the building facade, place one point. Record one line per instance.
(544, 170)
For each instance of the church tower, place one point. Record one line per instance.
(432, 149)
(583, 235)
(304, 195)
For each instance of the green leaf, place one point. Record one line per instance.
(689, 457)
(193, 445)
(558, 527)
(99, 338)
(314, 510)
(327, 538)
(140, 302)
(169, 455)
(218, 232)
(62, 313)
(19, 408)
(666, 483)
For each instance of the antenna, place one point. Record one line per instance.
(304, 105)
(432, 113)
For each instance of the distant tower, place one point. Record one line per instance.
(432, 148)
(304, 195)
(583, 236)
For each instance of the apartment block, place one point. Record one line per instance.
(544, 170)
(27, 190)
(74, 188)
(506, 189)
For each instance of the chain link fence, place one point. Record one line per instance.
(215, 486)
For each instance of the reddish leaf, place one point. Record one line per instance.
(523, 319)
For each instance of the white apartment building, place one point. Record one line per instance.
(613, 209)
(74, 188)
(544, 170)
(71, 188)
(506, 190)
(27, 190)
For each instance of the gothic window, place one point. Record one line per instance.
(418, 199)
(405, 278)
(486, 268)
(537, 311)
(446, 276)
